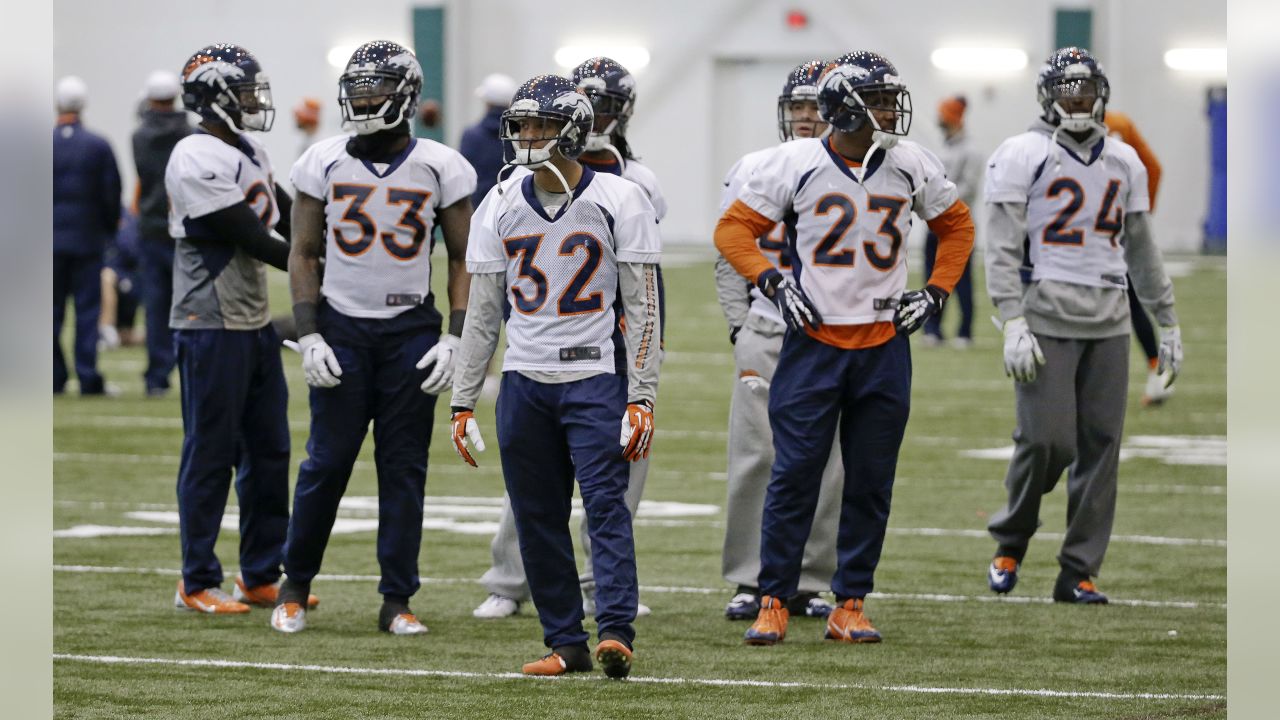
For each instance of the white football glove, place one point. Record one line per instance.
(796, 307)
(444, 355)
(1170, 358)
(1021, 351)
(319, 365)
(464, 428)
(754, 381)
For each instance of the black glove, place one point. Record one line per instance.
(917, 306)
(796, 307)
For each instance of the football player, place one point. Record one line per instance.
(1068, 211)
(611, 89)
(845, 363)
(370, 334)
(566, 246)
(756, 330)
(226, 215)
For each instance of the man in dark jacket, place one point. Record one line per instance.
(162, 127)
(86, 212)
(480, 144)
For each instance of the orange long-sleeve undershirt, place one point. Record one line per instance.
(1122, 125)
(735, 238)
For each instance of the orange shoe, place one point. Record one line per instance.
(209, 600)
(847, 623)
(615, 657)
(561, 660)
(770, 627)
(264, 595)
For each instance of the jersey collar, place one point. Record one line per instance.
(877, 159)
(531, 197)
(395, 163)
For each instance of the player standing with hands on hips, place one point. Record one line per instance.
(569, 245)
(1068, 211)
(845, 363)
(370, 339)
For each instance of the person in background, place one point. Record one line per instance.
(1068, 231)
(86, 213)
(163, 124)
(964, 168)
(120, 289)
(480, 144)
(1155, 393)
(306, 116)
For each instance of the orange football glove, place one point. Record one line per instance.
(464, 429)
(637, 431)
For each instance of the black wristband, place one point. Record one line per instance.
(458, 408)
(304, 316)
(457, 318)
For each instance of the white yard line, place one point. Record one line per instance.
(705, 682)
(673, 589)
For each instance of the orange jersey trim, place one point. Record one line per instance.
(853, 337)
(955, 231)
(735, 238)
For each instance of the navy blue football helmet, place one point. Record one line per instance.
(858, 83)
(1073, 72)
(801, 87)
(567, 119)
(225, 83)
(380, 87)
(612, 91)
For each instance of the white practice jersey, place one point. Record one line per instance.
(380, 219)
(847, 239)
(205, 175)
(562, 274)
(773, 243)
(1075, 205)
(216, 284)
(633, 171)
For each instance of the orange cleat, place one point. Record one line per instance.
(264, 595)
(561, 660)
(770, 627)
(847, 623)
(212, 601)
(615, 657)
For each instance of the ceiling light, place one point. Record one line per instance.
(633, 57)
(979, 60)
(1206, 61)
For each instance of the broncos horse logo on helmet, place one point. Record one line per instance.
(801, 86)
(612, 91)
(1072, 72)
(224, 83)
(567, 117)
(857, 84)
(379, 88)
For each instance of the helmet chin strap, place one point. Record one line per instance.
(622, 163)
(1079, 125)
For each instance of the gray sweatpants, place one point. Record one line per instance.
(1070, 416)
(750, 465)
(506, 576)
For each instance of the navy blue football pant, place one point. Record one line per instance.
(380, 385)
(80, 277)
(817, 391)
(234, 403)
(547, 434)
(157, 297)
(963, 294)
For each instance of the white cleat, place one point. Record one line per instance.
(406, 624)
(496, 606)
(289, 618)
